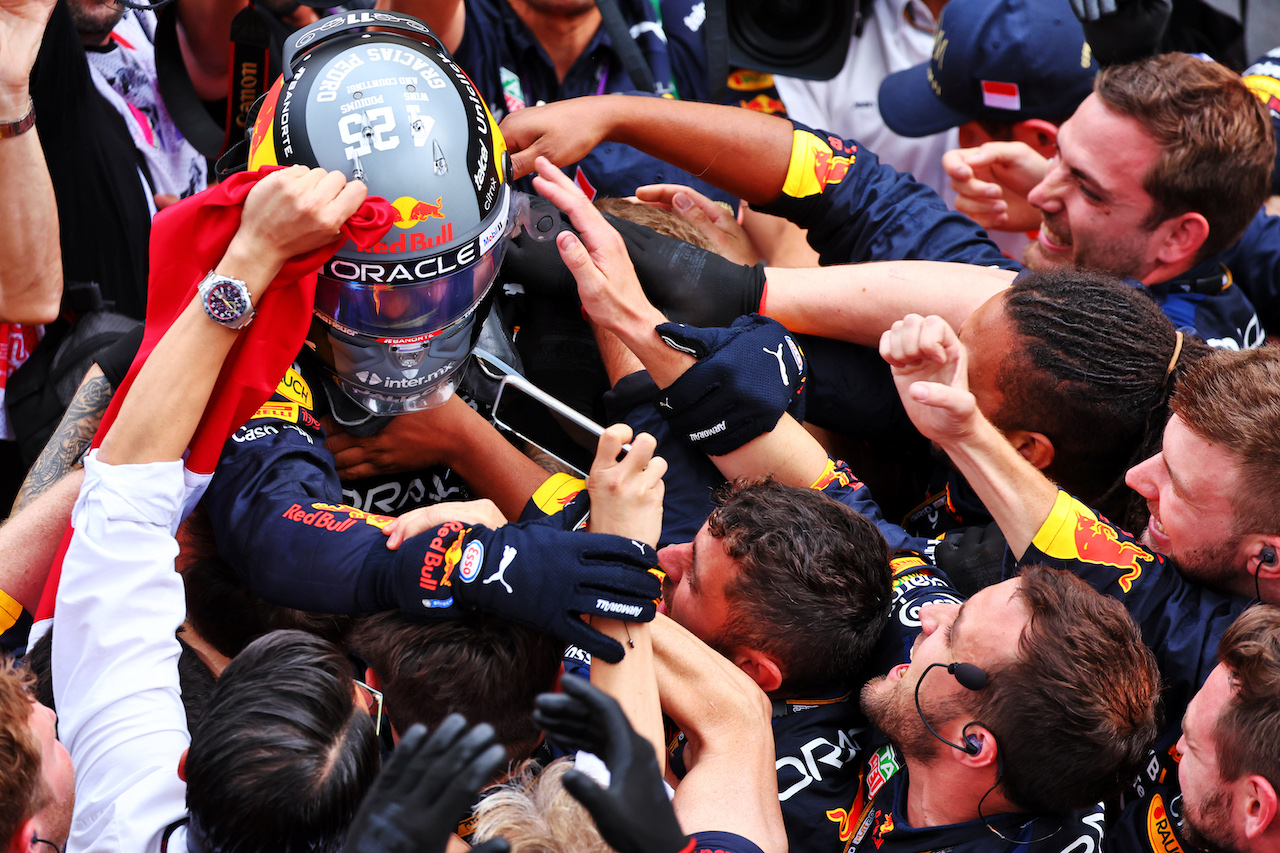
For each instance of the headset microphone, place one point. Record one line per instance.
(971, 677)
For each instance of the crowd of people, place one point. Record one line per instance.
(454, 423)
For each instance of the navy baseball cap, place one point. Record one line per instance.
(1001, 60)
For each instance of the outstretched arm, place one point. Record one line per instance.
(30, 252)
(713, 142)
(288, 213)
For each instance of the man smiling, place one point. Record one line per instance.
(1159, 173)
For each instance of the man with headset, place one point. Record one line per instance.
(1205, 554)
(1016, 653)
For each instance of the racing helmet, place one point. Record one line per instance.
(374, 95)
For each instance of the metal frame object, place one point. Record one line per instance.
(496, 368)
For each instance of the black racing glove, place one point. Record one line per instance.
(1123, 30)
(536, 575)
(747, 375)
(417, 800)
(972, 557)
(688, 284)
(633, 814)
(535, 263)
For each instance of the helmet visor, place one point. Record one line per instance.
(405, 311)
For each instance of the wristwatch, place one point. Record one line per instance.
(226, 300)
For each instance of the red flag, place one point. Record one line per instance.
(187, 240)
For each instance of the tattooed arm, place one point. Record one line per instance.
(70, 439)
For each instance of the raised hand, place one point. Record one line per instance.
(626, 494)
(633, 814)
(597, 256)
(415, 803)
(930, 369)
(294, 211)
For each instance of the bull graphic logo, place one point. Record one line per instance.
(1098, 543)
(411, 211)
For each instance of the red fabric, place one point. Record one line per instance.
(187, 240)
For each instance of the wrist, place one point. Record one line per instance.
(252, 262)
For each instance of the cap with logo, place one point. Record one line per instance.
(1000, 60)
(374, 95)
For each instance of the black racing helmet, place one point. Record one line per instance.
(374, 95)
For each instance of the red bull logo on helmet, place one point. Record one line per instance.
(412, 211)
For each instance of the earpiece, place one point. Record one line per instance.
(973, 744)
(1268, 556)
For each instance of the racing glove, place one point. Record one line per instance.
(972, 557)
(537, 576)
(688, 284)
(633, 814)
(417, 800)
(747, 375)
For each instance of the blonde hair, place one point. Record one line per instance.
(536, 814)
(659, 219)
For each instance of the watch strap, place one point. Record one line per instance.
(22, 125)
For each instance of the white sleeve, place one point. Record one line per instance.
(115, 657)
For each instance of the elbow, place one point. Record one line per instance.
(33, 305)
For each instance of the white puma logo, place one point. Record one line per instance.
(508, 554)
(638, 545)
(782, 367)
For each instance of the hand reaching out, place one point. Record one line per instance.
(482, 511)
(417, 800)
(597, 256)
(633, 814)
(713, 220)
(930, 369)
(562, 132)
(626, 494)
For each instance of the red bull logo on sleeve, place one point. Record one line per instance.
(1097, 542)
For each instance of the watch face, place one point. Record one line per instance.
(226, 302)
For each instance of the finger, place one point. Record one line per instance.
(410, 743)
(353, 195)
(591, 281)
(339, 440)
(356, 472)
(712, 210)
(593, 798)
(395, 535)
(609, 446)
(458, 749)
(933, 341)
(955, 401)
(330, 185)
